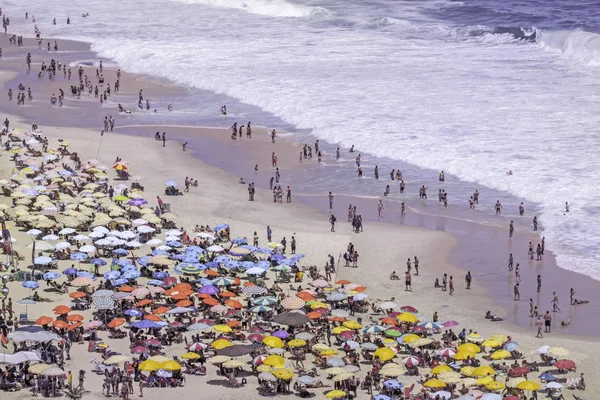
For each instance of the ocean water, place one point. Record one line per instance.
(474, 88)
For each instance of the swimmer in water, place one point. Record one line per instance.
(351, 149)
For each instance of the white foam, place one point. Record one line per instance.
(578, 45)
(271, 8)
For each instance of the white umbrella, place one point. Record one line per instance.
(67, 231)
(41, 246)
(145, 229)
(33, 232)
(114, 233)
(50, 237)
(164, 248)
(215, 248)
(101, 229)
(43, 260)
(128, 235)
(81, 238)
(134, 244)
(62, 245)
(388, 305)
(96, 234)
(87, 249)
(153, 242)
(103, 242)
(173, 232)
(205, 235)
(255, 271)
(139, 221)
(554, 385)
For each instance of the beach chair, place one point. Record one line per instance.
(21, 276)
(23, 319)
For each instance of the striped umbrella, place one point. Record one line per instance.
(264, 301)
(252, 290)
(373, 329)
(103, 303)
(259, 309)
(82, 281)
(292, 303)
(223, 281)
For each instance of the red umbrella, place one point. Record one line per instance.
(139, 350)
(170, 280)
(519, 371)
(409, 309)
(346, 335)
(394, 314)
(419, 328)
(206, 321)
(232, 312)
(255, 337)
(197, 347)
(412, 361)
(256, 329)
(565, 364)
(153, 342)
(321, 311)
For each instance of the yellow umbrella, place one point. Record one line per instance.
(491, 343)
(190, 356)
(384, 353)
(284, 374)
(273, 341)
(320, 347)
(171, 365)
(499, 337)
(339, 329)
(467, 371)
(421, 342)
(296, 343)
(218, 359)
(408, 317)
(475, 338)
(273, 360)
(222, 328)
(495, 386)
(149, 365)
(233, 364)
(329, 352)
(469, 347)
(500, 355)
(389, 342)
(440, 369)
(264, 368)
(558, 351)
(463, 355)
(221, 344)
(411, 337)
(159, 359)
(485, 381)
(434, 384)
(335, 371)
(528, 385)
(352, 325)
(335, 394)
(484, 370)
(343, 377)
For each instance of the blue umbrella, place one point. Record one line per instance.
(128, 267)
(78, 256)
(171, 183)
(179, 257)
(393, 384)
(263, 264)
(120, 252)
(110, 275)
(86, 274)
(247, 264)
(297, 257)
(265, 250)
(155, 282)
(221, 227)
(136, 202)
(143, 260)
(146, 324)
(98, 261)
(209, 289)
(251, 248)
(381, 397)
(211, 264)
(31, 284)
(547, 377)
(195, 249)
(277, 257)
(222, 259)
(511, 346)
(239, 241)
(232, 264)
(160, 275)
(124, 262)
(64, 172)
(70, 271)
(133, 274)
(174, 243)
(205, 282)
(49, 276)
(43, 260)
(134, 312)
(160, 253)
(120, 282)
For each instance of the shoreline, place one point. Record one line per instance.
(466, 232)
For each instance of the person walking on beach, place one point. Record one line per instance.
(255, 239)
(498, 207)
(273, 134)
(289, 195)
(444, 282)
(511, 230)
(510, 262)
(330, 201)
(539, 283)
(380, 209)
(293, 245)
(416, 264)
(517, 296)
(572, 296)
(408, 265)
(402, 210)
(273, 160)
(543, 244)
(451, 286)
(164, 138)
(539, 323)
(555, 302)
(535, 224)
(521, 209)
(332, 220)
(337, 153)
(183, 146)
(269, 233)
(548, 322)
(407, 282)
(468, 279)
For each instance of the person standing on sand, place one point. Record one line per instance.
(402, 210)
(510, 262)
(289, 195)
(380, 209)
(255, 241)
(511, 230)
(451, 286)
(543, 244)
(408, 265)
(332, 220)
(407, 282)
(548, 322)
(330, 201)
(248, 131)
(164, 138)
(572, 296)
(445, 282)
(273, 134)
(269, 233)
(468, 279)
(555, 302)
(539, 325)
(293, 245)
(183, 146)
(498, 207)
(517, 296)
(416, 263)
(539, 283)
(521, 209)
(535, 224)
(273, 160)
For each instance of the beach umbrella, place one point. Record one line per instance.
(149, 365)
(519, 371)
(291, 319)
(484, 370)
(384, 354)
(306, 380)
(491, 396)
(117, 359)
(553, 385)
(372, 329)
(511, 346)
(434, 384)
(296, 343)
(440, 369)
(51, 275)
(408, 317)
(558, 352)
(564, 364)
(30, 285)
(259, 309)
(412, 361)
(392, 384)
(528, 385)
(52, 371)
(447, 352)
(442, 395)
(335, 394)
(450, 377)
(469, 347)
(547, 377)
(500, 355)
(221, 344)
(273, 341)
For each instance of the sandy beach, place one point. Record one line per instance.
(218, 163)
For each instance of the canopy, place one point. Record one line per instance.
(32, 335)
(19, 357)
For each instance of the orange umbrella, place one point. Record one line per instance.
(180, 296)
(210, 272)
(246, 284)
(126, 288)
(116, 322)
(153, 317)
(203, 295)
(60, 310)
(43, 320)
(77, 295)
(305, 296)
(184, 303)
(389, 321)
(314, 315)
(227, 293)
(343, 282)
(360, 289)
(143, 303)
(160, 310)
(336, 319)
(233, 323)
(74, 326)
(75, 318)
(60, 324)
(234, 304)
(210, 301)
(183, 286)
(237, 281)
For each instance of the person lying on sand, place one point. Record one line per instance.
(493, 318)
